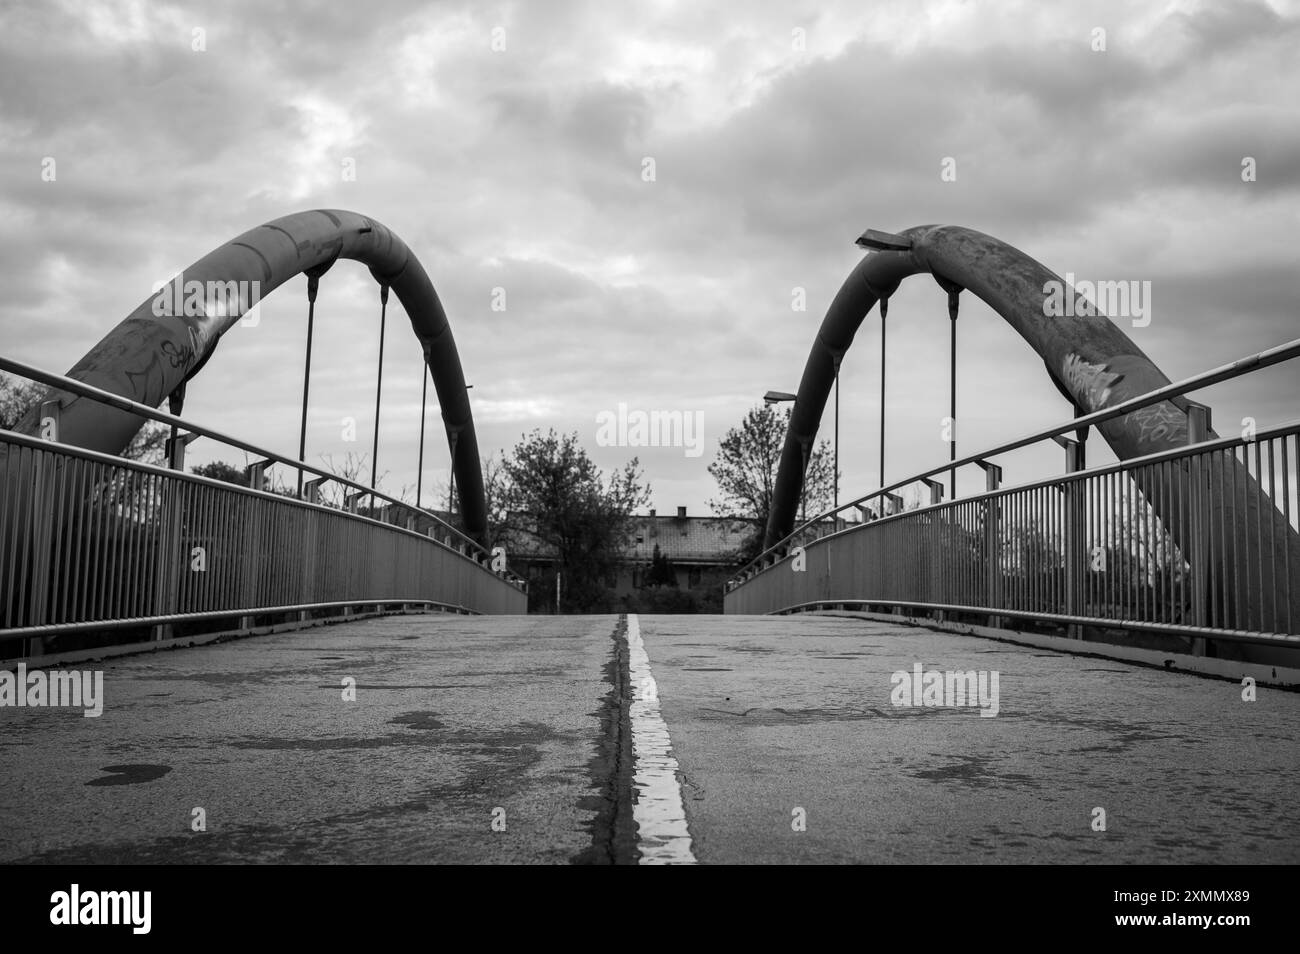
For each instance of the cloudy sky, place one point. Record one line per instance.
(507, 144)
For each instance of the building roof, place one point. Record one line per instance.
(686, 540)
(689, 539)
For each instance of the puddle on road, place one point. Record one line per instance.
(130, 774)
(417, 720)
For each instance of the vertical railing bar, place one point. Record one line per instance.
(126, 601)
(92, 545)
(114, 566)
(143, 565)
(1273, 533)
(9, 535)
(55, 590)
(76, 552)
(1260, 501)
(1286, 513)
(1149, 579)
(1241, 554)
(1205, 516)
(28, 535)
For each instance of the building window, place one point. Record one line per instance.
(695, 576)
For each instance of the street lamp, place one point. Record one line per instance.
(779, 397)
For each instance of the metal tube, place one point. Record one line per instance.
(312, 283)
(952, 391)
(836, 497)
(379, 387)
(424, 398)
(884, 313)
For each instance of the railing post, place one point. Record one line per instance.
(935, 585)
(251, 554)
(936, 490)
(252, 542)
(1198, 430)
(1075, 542)
(311, 490)
(170, 558)
(992, 542)
(257, 474)
(43, 497)
(307, 593)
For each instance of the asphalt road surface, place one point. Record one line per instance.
(600, 739)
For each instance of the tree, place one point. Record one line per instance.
(355, 467)
(220, 470)
(18, 397)
(746, 466)
(549, 489)
(661, 572)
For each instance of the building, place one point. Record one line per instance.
(701, 551)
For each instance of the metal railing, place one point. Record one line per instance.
(91, 543)
(185, 430)
(1199, 541)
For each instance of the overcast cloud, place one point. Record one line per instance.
(522, 169)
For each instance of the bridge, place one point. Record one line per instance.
(1089, 666)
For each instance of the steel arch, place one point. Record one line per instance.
(1088, 357)
(146, 357)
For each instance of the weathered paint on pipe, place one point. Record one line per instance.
(1091, 361)
(146, 357)
(1089, 358)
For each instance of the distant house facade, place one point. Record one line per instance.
(700, 552)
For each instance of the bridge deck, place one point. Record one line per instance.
(457, 716)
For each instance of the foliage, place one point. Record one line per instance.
(18, 397)
(549, 489)
(661, 572)
(746, 467)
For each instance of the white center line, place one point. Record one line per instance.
(657, 808)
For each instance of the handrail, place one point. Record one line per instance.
(1282, 429)
(1263, 359)
(126, 404)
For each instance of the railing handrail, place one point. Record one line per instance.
(1283, 429)
(74, 386)
(85, 453)
(1262, 359)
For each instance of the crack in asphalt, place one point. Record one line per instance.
(613, 832)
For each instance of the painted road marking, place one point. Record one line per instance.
(657, 808)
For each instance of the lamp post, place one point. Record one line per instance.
(780, 397)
